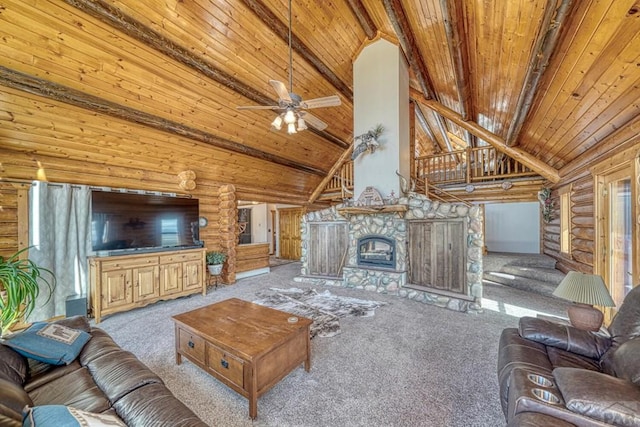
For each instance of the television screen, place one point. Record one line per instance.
(126, 221)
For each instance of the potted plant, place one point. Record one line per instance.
(215, 260)
(19, 288)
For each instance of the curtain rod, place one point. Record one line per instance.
(99, 188)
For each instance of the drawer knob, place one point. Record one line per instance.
(191, 344)
(224, 363)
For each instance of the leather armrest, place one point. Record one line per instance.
(13, 399)
(564, 337)
(599, 396)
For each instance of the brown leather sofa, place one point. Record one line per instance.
(552, 374)
(104, 378)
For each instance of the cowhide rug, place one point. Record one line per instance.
(324, 308)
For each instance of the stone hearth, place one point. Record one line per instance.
(393, 225)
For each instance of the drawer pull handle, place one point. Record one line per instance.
(191, 344)
(224, 363)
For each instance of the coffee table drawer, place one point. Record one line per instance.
(226, 365)
(191, 345)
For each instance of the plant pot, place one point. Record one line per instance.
(215, 269)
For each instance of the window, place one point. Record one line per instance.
(565, 221)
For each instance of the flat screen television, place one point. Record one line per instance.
(127, 222)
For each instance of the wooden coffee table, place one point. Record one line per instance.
(246, 346)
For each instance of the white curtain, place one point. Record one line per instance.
(60, 234)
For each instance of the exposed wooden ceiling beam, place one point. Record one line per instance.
(398, 19)
(456, 42)
(545, 45)
(117, 19)
(522, 156)
(363, 17)
(37, 86)
(425, 126)
(282, 30)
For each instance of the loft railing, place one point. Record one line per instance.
(470, 165)
(341, 180)
(457, 167)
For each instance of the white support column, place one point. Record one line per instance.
(381, 96)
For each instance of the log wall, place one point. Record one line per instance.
(217, 203)
(582, 195)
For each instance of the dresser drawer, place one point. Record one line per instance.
(191, 345)
(125, 263)
(226, 365)
(180, 257)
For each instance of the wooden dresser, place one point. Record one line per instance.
(120, 283)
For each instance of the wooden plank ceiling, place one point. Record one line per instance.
(158, 81)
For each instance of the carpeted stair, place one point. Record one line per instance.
(528, 272)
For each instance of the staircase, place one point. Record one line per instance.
(527, 272)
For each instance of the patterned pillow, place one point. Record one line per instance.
(49, 342)
(66, 416)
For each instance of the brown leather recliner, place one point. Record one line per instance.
(552, 374)
(103, 379)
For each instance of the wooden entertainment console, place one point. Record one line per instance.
(120, 283)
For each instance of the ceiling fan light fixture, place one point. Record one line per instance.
(290, 117)
(277, 123)
(301, 124)
(291, 128)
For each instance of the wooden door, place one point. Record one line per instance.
(171, 278)
(290, 242)
(437, 254)
(116, 289)
(328, 246)
(192, 275)
(145, 283)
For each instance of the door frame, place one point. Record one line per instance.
(629, 161)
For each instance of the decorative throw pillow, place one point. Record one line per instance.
(66, 416)
(49, 342)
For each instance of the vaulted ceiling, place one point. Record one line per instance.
(547, 80)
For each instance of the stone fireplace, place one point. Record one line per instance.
(408, 246)
(382, 233)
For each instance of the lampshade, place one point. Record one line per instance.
(301, 124)
(277, 123)
(291, 128)
(584, 289)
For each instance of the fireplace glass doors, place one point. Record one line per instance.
(376, 251)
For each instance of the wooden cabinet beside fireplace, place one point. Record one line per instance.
(120, 283)
(437, 255)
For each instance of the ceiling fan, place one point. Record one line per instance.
(291, 106)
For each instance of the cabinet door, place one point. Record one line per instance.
(437, 255)
(116, 289)
(170, 278)
(192, 275)
(145, 283)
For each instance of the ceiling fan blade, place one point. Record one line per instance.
(281, 90)
(314, 121)
(258, 107)
(327, 101)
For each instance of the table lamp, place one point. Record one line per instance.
(585, 291)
